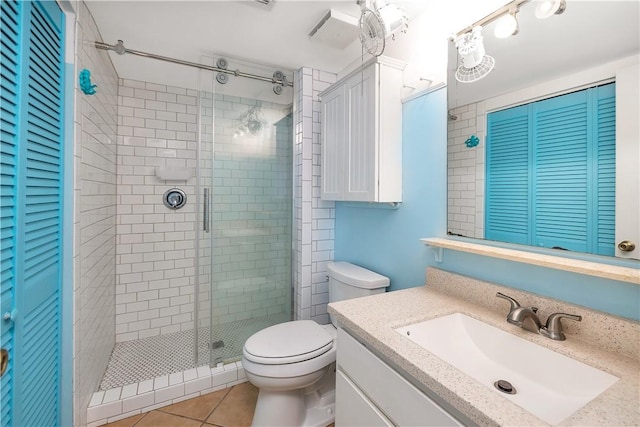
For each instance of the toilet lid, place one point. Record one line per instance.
(288, 342)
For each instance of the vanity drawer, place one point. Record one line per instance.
(396, 398)
(355, 409)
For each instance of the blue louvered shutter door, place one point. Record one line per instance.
(9, 72)
(561, 196)
(38, 272)
(605, 169)
(507, 206)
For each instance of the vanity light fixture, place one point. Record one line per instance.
(476, 64)
(506, 25)
(547, 8)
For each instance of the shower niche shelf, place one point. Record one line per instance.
(173, 173)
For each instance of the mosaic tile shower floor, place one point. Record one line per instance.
(139, 360)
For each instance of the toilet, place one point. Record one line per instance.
(293, 363)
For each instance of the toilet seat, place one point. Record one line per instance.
(287, 343)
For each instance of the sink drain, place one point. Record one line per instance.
(505, 387)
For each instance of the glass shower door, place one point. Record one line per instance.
(251, 207)
(251, 221)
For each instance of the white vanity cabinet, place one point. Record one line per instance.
(371, 393)
(362, 135)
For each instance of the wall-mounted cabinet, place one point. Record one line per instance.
(362, 135)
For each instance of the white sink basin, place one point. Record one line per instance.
(549, 385)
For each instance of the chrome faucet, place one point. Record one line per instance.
(523, 317)
(527, 318)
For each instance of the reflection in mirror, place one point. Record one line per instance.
(591, 44)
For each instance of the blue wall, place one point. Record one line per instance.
(387, 240)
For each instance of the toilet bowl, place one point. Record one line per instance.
(293, 363)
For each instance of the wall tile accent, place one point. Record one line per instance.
(94, 251)
(466, 171)
(314, 219)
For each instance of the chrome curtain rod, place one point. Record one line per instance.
(120, 49)
(515, 4)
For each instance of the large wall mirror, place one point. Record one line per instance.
(591, 44)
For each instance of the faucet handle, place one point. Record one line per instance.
(553, 328)
(514, 304)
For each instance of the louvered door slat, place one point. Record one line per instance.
(507, 201)
(560, 172)
(605, 170)
(10, 15)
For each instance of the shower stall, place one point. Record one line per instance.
(213, 272)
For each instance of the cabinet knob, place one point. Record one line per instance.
(626, 246)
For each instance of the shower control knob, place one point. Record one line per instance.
(174, 198)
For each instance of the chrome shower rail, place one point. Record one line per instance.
(120, 49)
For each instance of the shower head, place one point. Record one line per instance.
(119, 48)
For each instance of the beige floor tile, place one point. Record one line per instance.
(237, 408)
(197, 408)
(127, 422)
(162, 419)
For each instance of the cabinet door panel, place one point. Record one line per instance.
(334, 133)
(362, 143)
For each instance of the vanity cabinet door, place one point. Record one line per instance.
(395, 397)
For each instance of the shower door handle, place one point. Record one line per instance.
(205, 216)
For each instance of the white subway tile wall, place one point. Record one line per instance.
(94, 249)
(465, 168)
(314, 219)
(250, 210)
(157, 127)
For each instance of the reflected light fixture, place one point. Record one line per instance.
(547, 8)
(475, 63)
(251, 123)
(506, 25)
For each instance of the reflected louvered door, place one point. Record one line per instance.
(562, 198)
(508, 208)
(574, 166)
(34, 186)
(551, 172)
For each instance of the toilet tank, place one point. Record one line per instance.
(348, 281)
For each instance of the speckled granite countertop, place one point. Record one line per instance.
(373, 320)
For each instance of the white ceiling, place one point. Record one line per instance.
(276, 36)
(588, 34)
